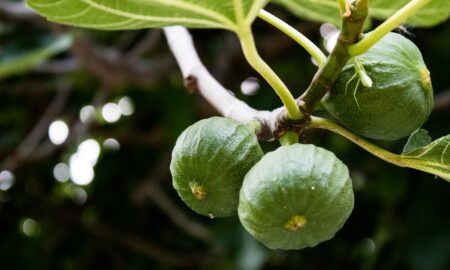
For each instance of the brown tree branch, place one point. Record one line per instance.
(147, 248)
(31, 141)
(442, 101)
(115, 68)
(151, 190)
(17, 12)
(62, 66)
(148, 43)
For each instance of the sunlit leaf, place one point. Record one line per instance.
(435, 12)
(18, 64)
(433, 158)
(137, 14)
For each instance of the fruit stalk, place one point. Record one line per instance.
(398, 160)
(290, 137)
(328, 73)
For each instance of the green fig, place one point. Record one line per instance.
(295, 197)
(399, 99)
(209, 163)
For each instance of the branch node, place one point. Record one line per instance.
(284, 123)
(191, 85)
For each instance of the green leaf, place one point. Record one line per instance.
(20, 63)
(314, 10)
(435, 12)
(137, 14)
(417, 139)
(433, 158)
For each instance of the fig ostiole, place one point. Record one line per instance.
(209, 162)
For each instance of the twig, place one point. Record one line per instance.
(46, 148)
(176, 215)
(58, 66)
(17, 12)
(148, 43)
(198, 78)
(116, 68)
(38, 132)
(442, 101)
(273, 123)
(151, 190)
(328, 73)
(150, 250)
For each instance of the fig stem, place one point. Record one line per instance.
(329, 71)
(294, 34)
(387, 26)
(398, 160)
(288, 138)
(322, 123)
(254, 59)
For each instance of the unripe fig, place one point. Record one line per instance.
(295, 197)
(209, 162)
(399, 100)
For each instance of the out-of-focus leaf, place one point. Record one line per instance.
(417, 139)
(315, 10)
(435, 12)
(128, 14)
(23, 62)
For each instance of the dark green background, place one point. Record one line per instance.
(401, 218)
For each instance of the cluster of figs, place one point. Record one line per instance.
(300, 194)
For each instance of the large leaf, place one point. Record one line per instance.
(435, 12)
(20, 63)
(136, 14)
(433, 158)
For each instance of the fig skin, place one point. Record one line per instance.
(209, 162)
(295, 197)
(400, 99)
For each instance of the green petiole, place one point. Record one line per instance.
(298, 37)
(398, 160)
(387, 26)
(254, 59)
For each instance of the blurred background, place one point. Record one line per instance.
(88, 120)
